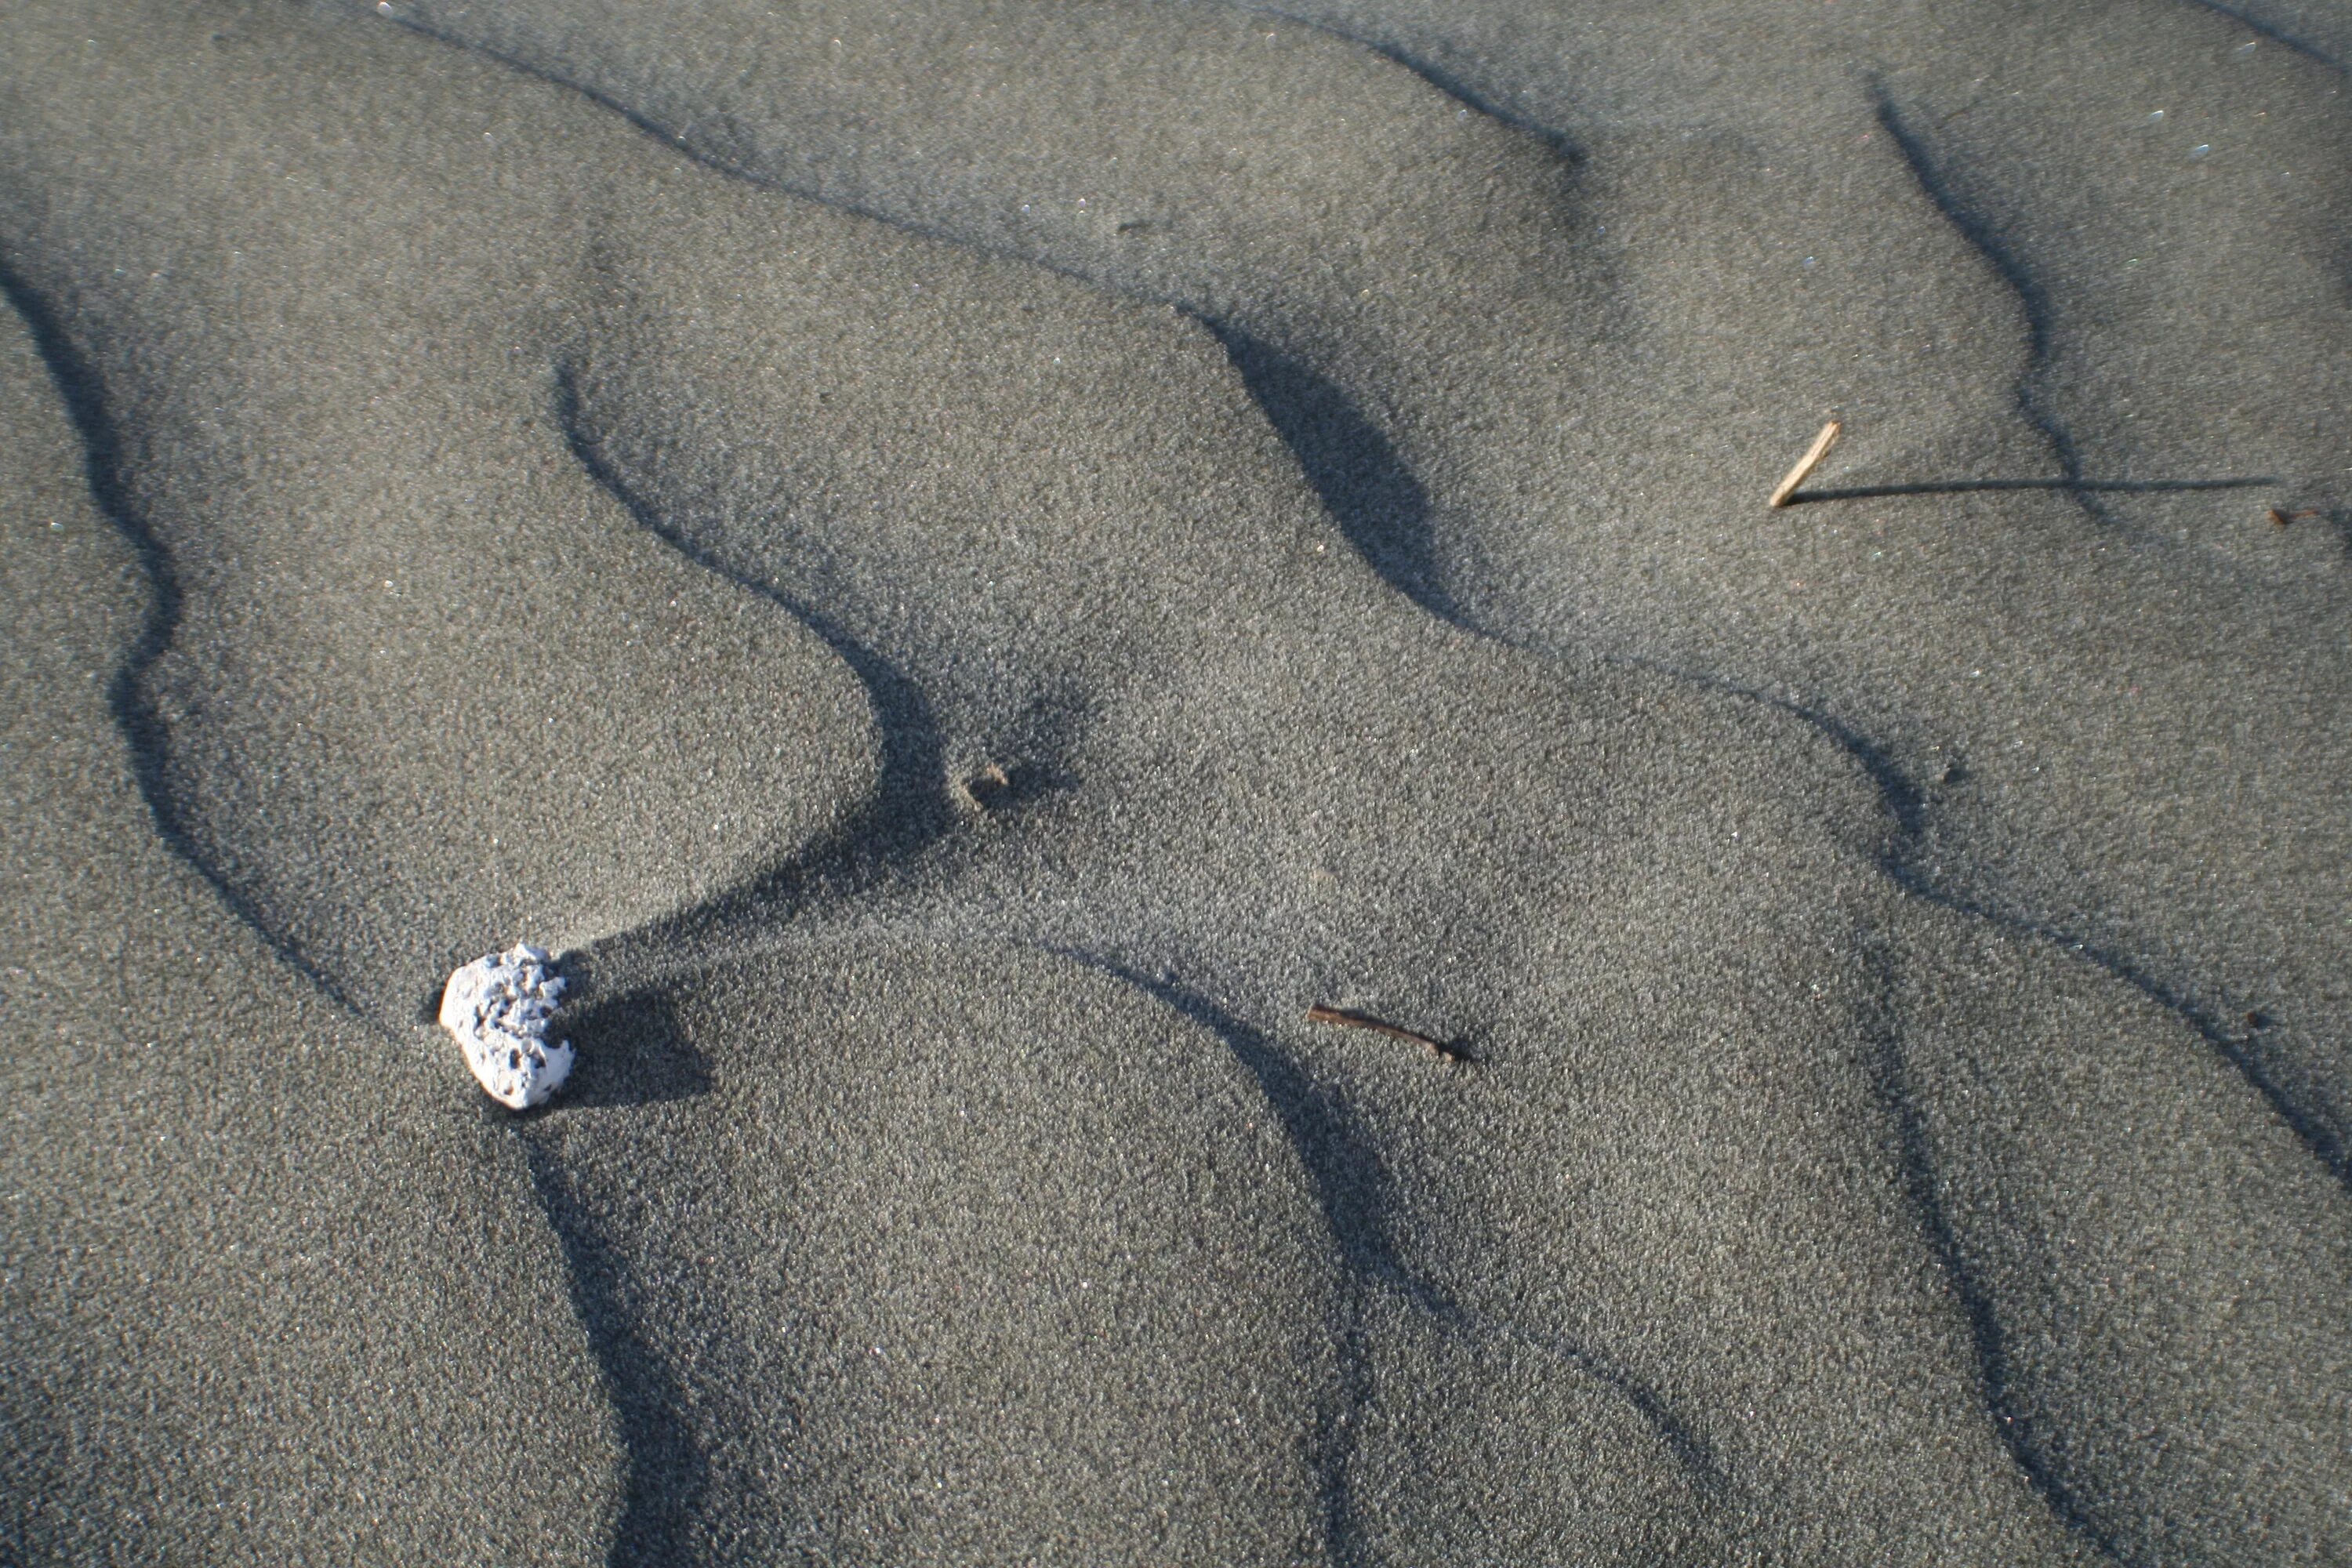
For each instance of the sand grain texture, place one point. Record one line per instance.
(964, 564)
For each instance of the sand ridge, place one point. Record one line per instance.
(714, 498)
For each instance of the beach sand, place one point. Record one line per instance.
(965, 563)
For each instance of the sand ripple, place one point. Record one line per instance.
(970, 562)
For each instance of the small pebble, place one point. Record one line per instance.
(499, 1007)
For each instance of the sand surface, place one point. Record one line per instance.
(964, 563)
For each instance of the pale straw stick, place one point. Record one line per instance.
(1806, 465)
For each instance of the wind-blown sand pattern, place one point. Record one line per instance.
(963, 563)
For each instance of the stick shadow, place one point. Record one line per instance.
(1966, 486)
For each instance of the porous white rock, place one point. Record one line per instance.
(499, 1006)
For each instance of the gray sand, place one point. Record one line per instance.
(966, 562)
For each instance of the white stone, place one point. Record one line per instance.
(499, 1006)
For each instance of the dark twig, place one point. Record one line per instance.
(1442, 1050)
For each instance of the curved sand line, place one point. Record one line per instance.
(2232, 1049)
(1318, 418)
(1452, 1209)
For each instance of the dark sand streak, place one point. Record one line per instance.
(1380, 505)
(144, 733)
(1348, 1183)
(1436, 76)
(1905, 802)
(1350, 1188)
(2031, 298)
(907, 810)
(1378, 502)
(665, 1470)
(1381, 508)
(2276, 35)
(1355, 471)
(1385, 504)
(1922, 1188)
(1905, 805)
(684, 145)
